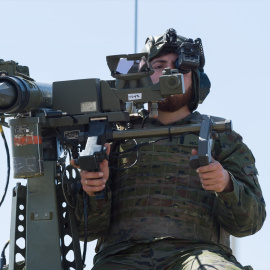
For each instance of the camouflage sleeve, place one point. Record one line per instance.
(242, 211)
(98, 216)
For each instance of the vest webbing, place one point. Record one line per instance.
(161, 196)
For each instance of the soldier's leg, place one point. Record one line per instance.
(138, 257)
(113, 266)
(178, 255)
(209, 260)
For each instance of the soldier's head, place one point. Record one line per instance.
(186, 55)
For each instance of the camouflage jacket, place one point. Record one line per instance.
(161, 196)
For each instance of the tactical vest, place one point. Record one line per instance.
(161, 196)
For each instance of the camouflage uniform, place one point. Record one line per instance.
(158, 216)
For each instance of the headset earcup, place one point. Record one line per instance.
(205, 85)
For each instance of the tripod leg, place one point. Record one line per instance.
(18, 228)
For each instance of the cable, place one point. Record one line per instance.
(135, 149)
(8, 164)
(85, 212)
(3, 256)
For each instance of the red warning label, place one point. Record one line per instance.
(25, 140)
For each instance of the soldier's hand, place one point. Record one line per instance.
(214, 177)
(95, 181)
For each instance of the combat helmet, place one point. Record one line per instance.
(190, 57)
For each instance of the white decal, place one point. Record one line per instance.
(135, 96)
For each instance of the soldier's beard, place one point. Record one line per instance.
(176, 102)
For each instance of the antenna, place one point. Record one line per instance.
(136, 26)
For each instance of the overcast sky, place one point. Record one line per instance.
(64, 40)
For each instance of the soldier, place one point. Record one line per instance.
(160, 213)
